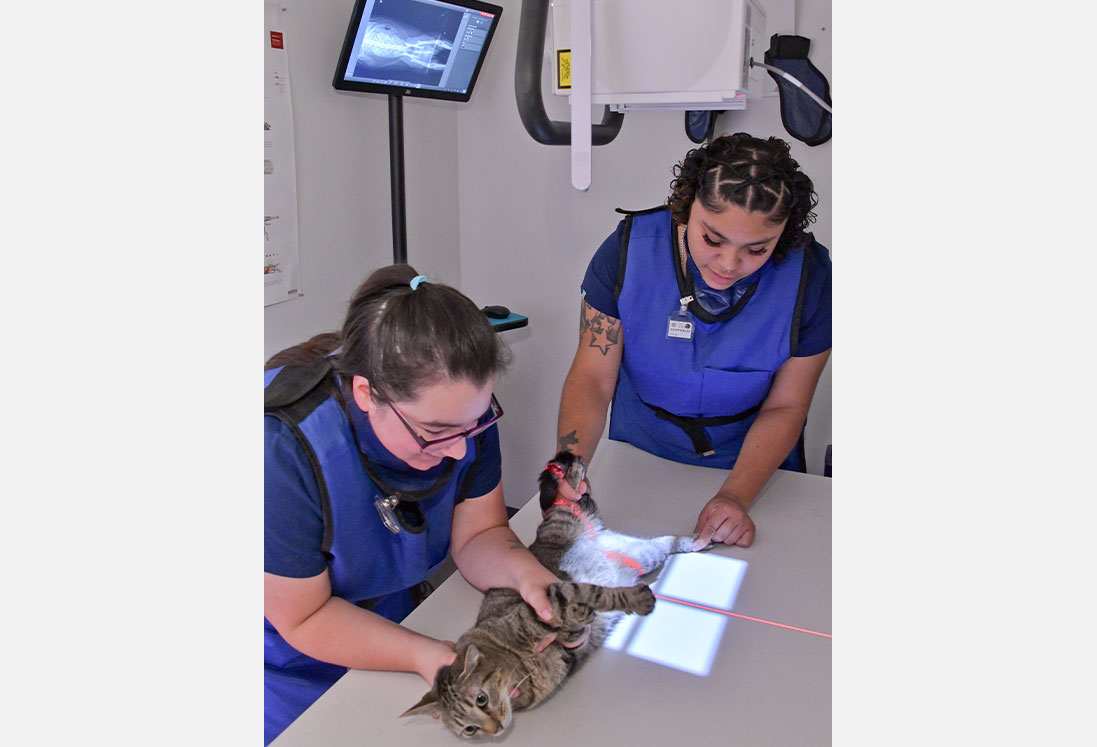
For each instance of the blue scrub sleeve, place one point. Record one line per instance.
(601, 275)
(292, 518)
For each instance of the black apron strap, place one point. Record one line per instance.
(294, 382)
(626, 233)
(623, 258)
(291, 397)
(695, 427)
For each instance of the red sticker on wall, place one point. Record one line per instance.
(276, 40)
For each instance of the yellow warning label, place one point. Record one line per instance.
(563, 68)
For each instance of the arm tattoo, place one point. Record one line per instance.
(604, 331)
(516, 545)
(569, 440)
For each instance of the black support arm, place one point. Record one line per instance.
(527, 84)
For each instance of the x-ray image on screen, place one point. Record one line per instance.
(427, 48)
(410, 43)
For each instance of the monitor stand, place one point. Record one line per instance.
(396, 177)
(399, 212)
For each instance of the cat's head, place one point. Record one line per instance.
(564, 466)
(471, 697)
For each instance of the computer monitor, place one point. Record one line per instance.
(429, 48)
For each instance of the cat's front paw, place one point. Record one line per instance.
(641, 600)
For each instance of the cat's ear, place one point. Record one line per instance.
(428, 706)
(472, 658)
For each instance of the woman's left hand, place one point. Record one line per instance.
(568, 493)
(430, 656)
(724, 519)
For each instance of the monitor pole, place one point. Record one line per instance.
(396, 176)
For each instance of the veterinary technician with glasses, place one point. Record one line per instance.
(381, 455)
(706, 322)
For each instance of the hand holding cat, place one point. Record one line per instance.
(563, 479)
(724, 519)
(568, 493)
(533, 588)
(431, 656)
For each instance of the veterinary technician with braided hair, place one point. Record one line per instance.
(381, 455)
(706, 323)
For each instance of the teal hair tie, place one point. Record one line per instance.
(415, 281)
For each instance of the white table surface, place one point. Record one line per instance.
(768, 685)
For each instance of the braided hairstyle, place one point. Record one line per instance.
(754, 174)
(403, 340)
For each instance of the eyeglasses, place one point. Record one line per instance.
(494, 412)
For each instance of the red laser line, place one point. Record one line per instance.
(745, 617)
(625, 559)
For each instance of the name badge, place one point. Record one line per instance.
(679, 324)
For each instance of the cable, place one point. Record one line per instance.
(793, 81)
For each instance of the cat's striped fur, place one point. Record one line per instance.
(512, 660)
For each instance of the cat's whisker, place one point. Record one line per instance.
(518, 684)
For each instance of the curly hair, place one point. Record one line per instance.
(402, 340)
(754, 174)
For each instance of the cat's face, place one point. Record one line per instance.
(471, 697)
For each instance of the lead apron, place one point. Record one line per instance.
(368, 565)
(724, 371)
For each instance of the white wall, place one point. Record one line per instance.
(343, 198)
(489, 209)
(527, 235)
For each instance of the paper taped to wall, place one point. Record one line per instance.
(281, 262)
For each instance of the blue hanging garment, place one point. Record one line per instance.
(802, 115)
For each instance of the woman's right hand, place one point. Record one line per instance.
(432, 656)
(568, 493)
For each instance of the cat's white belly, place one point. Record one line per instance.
(588, 561)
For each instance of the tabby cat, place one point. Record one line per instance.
(512, 660)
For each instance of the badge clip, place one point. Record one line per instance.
(385, 506)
